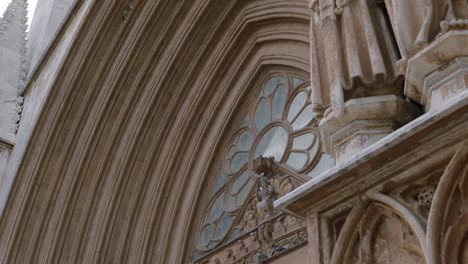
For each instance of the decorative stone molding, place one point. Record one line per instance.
(437, 73)
(401, 201)
(445, 83)
(364, 122)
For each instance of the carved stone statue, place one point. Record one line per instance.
(265, 195)
(265, 236)
(360, 52)
(250, 219)
(286, 186)
(264, 165)
(416, 22)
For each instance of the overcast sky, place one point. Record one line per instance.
(31, 8)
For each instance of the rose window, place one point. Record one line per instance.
(282, 125)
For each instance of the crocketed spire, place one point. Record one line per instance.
(13, 67)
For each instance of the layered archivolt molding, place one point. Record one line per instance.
(117, 163)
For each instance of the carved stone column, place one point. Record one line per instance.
(364, 122)
(439, 72)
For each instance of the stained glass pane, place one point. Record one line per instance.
(205, 236)
(217, 209)
(238, 161)
(283, 80)
(303, 141)
(239, 182)
(245, 140)
(232, 151)
(262, 114)
(246, 122)
(234, 234)
(304, 118)
(296, 105)
(244, 192)
(297, 160)
(273, 143)
(279, 101)
(223, 226)
(230, 203)
(270, 85)
(220, 182)
(297, 82)
(314, 151)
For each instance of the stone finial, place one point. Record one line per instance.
(264, 165)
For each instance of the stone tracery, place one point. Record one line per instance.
(279, 132)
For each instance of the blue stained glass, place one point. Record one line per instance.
(246, 122)
(283, 80)
(304, 118)
(217, 209)
(270, 85)
(232, 151)
(238, 161)
(220, 182)
(239, 182)
(296, 105)
(230, 203)
(273, 143)
(205, 235)
(235, 234)
(244, 193)
(304, 141)
(262, 114)
(314, 151)
(297, 82)
(223, 226)
(245, 140)
(297, 160)
(279, 101)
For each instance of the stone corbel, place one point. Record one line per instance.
(364, 122)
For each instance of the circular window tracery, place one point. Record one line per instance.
(281, 125)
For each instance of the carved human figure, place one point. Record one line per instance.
(416, 22)
(265, 237)
(265, 195)
(359, 51)
(250, 219)
(287, 186)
